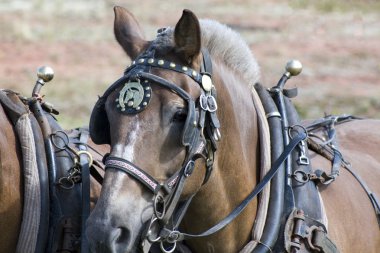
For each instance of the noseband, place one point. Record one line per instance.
(200, 135)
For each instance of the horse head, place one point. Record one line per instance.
(156, 132)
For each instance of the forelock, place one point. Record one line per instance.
(164, 39)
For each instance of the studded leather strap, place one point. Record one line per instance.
(164, 64)
(134, 171)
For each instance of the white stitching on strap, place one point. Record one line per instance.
(133, 170)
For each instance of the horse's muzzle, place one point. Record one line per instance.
(107, 239)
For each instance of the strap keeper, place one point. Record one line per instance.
(273, 114)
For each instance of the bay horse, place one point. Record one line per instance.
(12, 169)
(183, 157)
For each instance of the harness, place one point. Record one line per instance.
(200, 136)
(63, 172)
(294, 222)
(303, 230)
(330, 150)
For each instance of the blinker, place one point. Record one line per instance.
(134, 97)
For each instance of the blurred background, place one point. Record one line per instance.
(338, 42)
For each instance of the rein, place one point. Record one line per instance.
(178, 236)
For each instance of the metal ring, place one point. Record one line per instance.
(203, 102)
(173, 237)
(294, 128)
(168, 251)
(63, 184)
(84, 152)
(64, 138)
(156, 202)
(149, 230)
(213, 102)
(189, 168)
(304, 176)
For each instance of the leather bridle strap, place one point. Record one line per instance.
(178, 236)
(134, 171)
(166, 84)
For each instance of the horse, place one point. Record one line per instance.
(189, 136)
(12, 183)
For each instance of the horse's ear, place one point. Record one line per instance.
(128, 32)
(187, 36)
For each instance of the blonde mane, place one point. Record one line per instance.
(223, 43)
(227, 45)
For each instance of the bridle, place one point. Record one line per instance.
(200, 135)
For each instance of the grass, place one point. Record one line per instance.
(76, 39)
(316, 108)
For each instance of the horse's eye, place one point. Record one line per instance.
(180, 116)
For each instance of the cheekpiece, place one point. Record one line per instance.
(134, 96)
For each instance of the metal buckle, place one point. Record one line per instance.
(74, 176)
(303, 159)
(208, 103)
(311, 232)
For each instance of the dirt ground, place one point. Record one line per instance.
(337, 41)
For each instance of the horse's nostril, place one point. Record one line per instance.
(123, 236)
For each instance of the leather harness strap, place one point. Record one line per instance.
(85, 174)
(178, 236)
(328, 123)
(329, 150)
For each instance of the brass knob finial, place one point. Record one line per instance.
(294, 67)
(45, 73)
